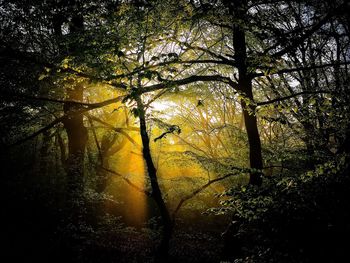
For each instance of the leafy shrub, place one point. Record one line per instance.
(292, 217)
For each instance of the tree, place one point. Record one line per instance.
(249, 59)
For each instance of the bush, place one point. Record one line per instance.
(291, 217)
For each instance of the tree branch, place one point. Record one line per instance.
(291, 96)
(203, 187)
(116, 129)
(87, 107)
(139, 189)
(299, 69)
(180, 82)
(205, 50)
(297, 41)
(13, 96)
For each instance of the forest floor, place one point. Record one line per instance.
(186, 246)
(31, 235)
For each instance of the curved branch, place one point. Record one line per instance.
(203, 187)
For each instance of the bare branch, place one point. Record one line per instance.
(203, 187)
(139, 189)
(116, 129)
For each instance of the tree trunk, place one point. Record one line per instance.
(77, 139)
(74, 126)
(245, 85)
(163, 250)
(255, 155)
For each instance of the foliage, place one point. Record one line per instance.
(292, 215)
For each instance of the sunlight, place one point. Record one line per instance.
(131, 165)
(165, 107)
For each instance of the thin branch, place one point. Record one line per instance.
(69, 114)
(119, 130)
(221, 25)
(296, 42)
(33, 135)
(111, 126)
(96, 140)
(139, 189)
(164, 134)
(291, 96)
(203, 187)
(299, 69)
(12, 96)
(213, 54)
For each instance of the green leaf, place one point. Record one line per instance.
(42, 76)
(312, 102)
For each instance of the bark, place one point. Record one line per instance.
(163, 250)
(255, 155)
(74, 126)
(77, 139)
(245, 85)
